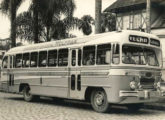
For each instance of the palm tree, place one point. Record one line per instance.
(85, 24)
(10, 7)
(35, 13)
(54, 10)
(98, 7)
(108, 22)
(49, 19)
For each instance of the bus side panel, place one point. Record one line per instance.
(4, 80)
(44, 82)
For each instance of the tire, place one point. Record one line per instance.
(26, 94)
(134, 107)
(99, 101)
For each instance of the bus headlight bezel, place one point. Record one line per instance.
(133, 85)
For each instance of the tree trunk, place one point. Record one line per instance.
(148, 16)
(35, 15)
(98, 8)
(13, 23)
(48, 34)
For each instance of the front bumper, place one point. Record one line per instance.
(145, 94)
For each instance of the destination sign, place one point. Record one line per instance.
(138, 39)
(155, 42)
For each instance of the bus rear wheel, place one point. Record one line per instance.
(99, 101)
(27, 95)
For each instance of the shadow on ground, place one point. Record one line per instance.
(80, 105)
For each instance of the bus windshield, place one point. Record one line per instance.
(139, 56)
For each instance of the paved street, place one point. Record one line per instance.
(13, 107)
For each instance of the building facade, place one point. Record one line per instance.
(131, 14)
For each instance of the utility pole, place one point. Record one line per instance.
(148, 16)
(98, 8)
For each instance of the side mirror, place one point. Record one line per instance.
(108, 57)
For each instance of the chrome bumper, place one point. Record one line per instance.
(145, 94)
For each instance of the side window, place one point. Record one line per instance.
(14, 61)
(11, 62)
(73, 78)
(26, 60)
(34, 59)
(103, 54)
(42, 59)
(116, 54)
(18, 61)
(63, 57)
(89, 55)
(73, 57)
(52, 58)
(79, 57)
(5, 62)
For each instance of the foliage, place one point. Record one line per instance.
(59, 29)
(50, 22)
(5, 5)
(10, 7)
(108, 22)
(85, 24)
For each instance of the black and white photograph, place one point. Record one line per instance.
(82, 59)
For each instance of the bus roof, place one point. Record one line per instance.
(117, 36)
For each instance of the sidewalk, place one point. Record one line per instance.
(160, 105)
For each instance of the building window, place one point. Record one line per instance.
(126, 22)
(137, 21)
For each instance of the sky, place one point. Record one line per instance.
(83, 7)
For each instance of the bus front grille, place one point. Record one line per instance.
(147, 83)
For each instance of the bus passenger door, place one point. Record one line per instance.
(75, 74)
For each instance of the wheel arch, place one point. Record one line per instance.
(22, 85)
(89, 90)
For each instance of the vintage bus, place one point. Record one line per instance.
(122, 67)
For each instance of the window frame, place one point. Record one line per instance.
(82, 58)
(16, 60)
(37, 59)
(23, 59)
(6, 61)
(110, 53)
(56, 58)
(46, 58)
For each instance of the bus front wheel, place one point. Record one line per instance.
(99, 101)
(27, 95)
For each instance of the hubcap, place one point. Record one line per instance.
(99, 99)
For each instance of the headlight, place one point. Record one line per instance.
(133, 85)
(158, 85)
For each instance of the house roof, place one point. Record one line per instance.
(120, 4)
